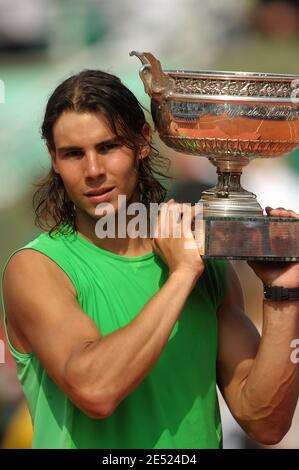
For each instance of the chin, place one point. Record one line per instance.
(105, 208)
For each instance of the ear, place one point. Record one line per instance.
(145, 149)
(52, 153)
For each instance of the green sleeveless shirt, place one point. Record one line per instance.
(176, 405)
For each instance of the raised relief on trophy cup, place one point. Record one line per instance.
(230, 118)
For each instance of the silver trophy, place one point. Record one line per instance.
(230, 118)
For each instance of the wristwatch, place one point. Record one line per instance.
(278, 293)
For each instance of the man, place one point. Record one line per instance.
(118, 341)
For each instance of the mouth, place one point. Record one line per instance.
(100, 195)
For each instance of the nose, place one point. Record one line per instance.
(94, 166)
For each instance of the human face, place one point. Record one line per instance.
(93, 163)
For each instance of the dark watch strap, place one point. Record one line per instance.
(278, 293)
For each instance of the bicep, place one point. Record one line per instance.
(41, 305)
(238, 341)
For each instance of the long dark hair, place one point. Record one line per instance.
(99, 92)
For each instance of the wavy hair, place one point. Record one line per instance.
(98, 92)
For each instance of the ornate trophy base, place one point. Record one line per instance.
(228, 198)
(259, 238)
(234, 226)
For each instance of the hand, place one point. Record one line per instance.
(174, 241)
(278, 273)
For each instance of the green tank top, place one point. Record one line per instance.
(176, 405)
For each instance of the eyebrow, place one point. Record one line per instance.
(69, 148)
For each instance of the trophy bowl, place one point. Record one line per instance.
(230, 118)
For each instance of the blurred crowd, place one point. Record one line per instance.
(47, 24)
(43, 41)
(278, 18)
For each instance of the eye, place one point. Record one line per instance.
(108, 147)
(74, 153)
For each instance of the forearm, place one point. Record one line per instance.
(115, 364)
(270, 392)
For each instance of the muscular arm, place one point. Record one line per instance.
(96, 372)
(257, 378)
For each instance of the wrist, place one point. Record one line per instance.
(277, 293)
(185, 274)
(291, 284)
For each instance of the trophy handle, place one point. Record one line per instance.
(157, 84)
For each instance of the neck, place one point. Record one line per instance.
(119, 244)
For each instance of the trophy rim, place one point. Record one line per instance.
(230, 74)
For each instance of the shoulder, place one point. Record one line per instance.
(28, 260)
(44, 257)
(31, 283)
(29, 269)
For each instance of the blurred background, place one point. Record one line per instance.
(42, 42)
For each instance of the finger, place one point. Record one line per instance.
(178, 219)
(163, 221)
(186, 209)
(281, 212)
(184, 216)
(292, 214)
(157, 219)
(173, 220)
(191, 218)
(168, 221)
(158, 222)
